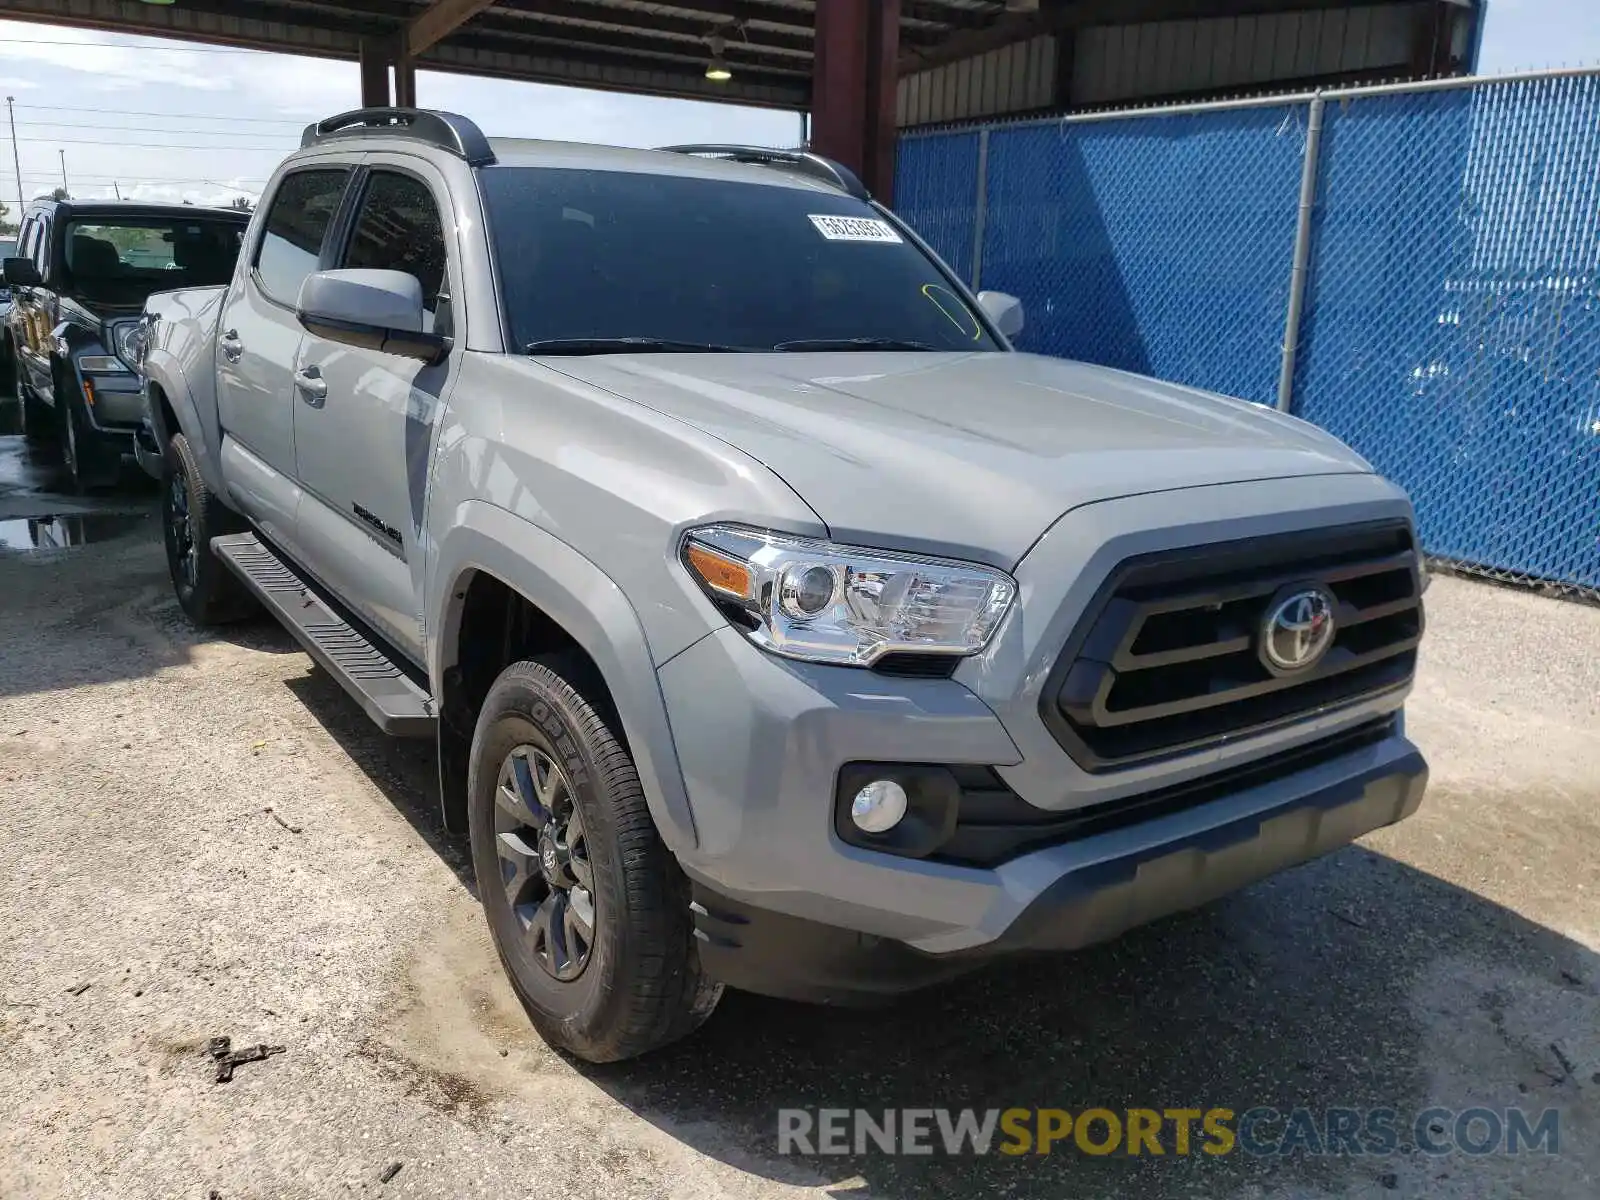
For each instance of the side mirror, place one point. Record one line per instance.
(21, 272)
(377, 310)
(1004, 310)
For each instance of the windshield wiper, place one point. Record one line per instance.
(855, 343)
(625, 345)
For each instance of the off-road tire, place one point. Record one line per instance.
(642, 986)
(214, 596)
(38, 421)
(92, 460)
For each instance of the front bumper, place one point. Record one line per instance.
(762, 775)
(115, 402)
(781, 955)
(787, 905)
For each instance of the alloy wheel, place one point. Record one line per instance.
(544, 861)
(182, 529)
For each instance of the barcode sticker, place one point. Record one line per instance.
(854, 229)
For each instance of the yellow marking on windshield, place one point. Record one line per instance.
(933, 291)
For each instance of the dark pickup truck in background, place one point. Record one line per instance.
(79, 276)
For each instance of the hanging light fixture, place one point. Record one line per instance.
(717, 69)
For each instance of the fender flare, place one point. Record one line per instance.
(67, 340)
(161, 369)
(593, 610)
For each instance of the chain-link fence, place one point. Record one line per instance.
(1444, 242)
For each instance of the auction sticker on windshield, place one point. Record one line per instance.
(854, 229)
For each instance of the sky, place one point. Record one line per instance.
(171, 120)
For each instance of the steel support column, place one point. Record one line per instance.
(374, 74)
(405, 82)
(853, 87)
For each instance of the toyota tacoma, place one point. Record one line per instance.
(780, 626)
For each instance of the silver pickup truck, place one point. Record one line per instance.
(779, 625)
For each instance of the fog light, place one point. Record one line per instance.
(878, 807)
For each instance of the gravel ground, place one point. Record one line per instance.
(206, 833)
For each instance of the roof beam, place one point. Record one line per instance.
(800, 20)
(184, 23)
(438, 21)
(925, 21)
(632, 52)
(602, 22)
(615, 73)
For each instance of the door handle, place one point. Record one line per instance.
(313, 388)
(231, 346)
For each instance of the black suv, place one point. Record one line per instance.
(81, 274)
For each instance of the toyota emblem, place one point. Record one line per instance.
(1298, 629)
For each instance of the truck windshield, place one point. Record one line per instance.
(123, 259)
(598, 261)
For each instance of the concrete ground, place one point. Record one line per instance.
(201, 836)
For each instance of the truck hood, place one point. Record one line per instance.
(969, 455)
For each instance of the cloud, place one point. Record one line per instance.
(215, 144)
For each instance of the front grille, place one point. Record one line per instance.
(1167, 661)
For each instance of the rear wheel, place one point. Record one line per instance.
(589, 911)
(190, 517)
(38, 422)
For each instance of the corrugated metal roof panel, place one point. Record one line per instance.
(1015, 78)
(1120, 63)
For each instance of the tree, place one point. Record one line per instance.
(6, 227)
(60, 194)
(242, 203)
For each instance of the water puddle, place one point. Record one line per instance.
(60, 533)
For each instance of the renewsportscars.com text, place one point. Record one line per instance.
(1135, 1132)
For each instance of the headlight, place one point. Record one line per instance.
(844, 604)
(128, 341)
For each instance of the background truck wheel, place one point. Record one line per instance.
(38, 422)
(92, 460)
(589, 911)
(190, 517)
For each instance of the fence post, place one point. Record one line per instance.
(980, 207)
(1302, 253)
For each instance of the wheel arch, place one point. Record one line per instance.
(503, 583)
(170, 407)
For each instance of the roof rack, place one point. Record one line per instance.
(446, 130)
(803, 161)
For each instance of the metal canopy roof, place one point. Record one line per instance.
(625, 45)
(620, 45)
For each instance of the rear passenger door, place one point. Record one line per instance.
(259, 341)
(364, 433)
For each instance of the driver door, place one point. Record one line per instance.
(365, 420)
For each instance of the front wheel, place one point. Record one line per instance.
(191, 515)
(589, 911)
(92, 460)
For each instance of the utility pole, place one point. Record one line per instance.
(116, 189)
(63, 154)
(16, 160)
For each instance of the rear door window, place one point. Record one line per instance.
(302, 210)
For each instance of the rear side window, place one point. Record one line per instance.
(298, 220)
(398, 229)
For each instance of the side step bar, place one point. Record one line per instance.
(396, 704)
